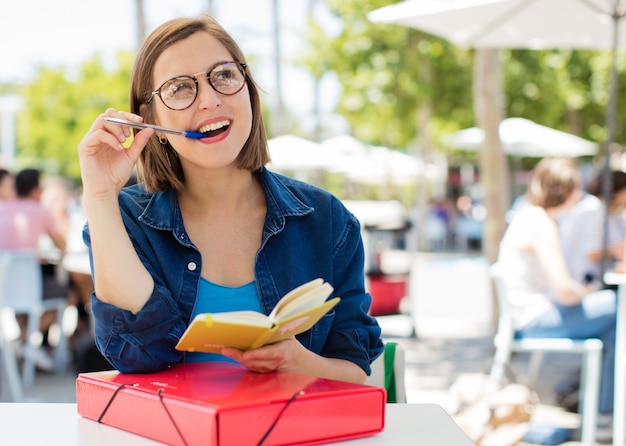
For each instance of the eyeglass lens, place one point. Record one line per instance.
(180, 92)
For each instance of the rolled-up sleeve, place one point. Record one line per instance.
(355, 334)
(142, 342)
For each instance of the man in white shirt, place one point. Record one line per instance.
(582, 229)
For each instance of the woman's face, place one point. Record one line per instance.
(231, 113)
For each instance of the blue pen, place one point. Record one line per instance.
(141, 125)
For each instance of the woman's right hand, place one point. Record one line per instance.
(105, 164)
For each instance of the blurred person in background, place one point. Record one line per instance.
(23, 223)
(24, 220)
(582, 236)
(582, 229)
(546, 300)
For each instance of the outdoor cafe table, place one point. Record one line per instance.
(58, 424)
(619, 404)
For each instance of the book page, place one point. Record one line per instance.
(295, 324)
(302, 298)
(312, 299)
(247, 317)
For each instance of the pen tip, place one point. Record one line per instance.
(195, 135)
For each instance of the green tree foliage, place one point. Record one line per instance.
(388, 73)
(60, 107)
(564, 89)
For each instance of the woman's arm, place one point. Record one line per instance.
(119, 276)
(546, 245)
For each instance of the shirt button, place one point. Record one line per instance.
(191, 266)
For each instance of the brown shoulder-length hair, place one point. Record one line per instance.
(553, 182)
(159, 166)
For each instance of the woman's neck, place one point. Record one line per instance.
(226, 191)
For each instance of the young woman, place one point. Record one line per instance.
(208, 228)
(546, 300)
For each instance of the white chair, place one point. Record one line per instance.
(505, 343)
(9, 371)
(390, 364)
(23, 294)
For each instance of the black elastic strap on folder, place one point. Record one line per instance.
(280, 415)
(159, 393)
(109, 402)
(180, 434)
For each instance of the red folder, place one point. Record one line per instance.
(222, 404)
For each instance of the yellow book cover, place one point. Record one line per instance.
(294, 313)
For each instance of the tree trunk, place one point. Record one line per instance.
(494, 171)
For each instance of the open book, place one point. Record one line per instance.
(294, 313)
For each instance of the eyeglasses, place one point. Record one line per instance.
(179, 93)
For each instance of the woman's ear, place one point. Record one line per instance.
(148, 114)
(143, 111)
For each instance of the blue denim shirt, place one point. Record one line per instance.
(308, 233)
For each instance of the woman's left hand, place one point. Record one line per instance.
(291, 356)
(269, 358)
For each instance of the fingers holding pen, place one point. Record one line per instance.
(122, 132)
(139, 142)
(103, 134)
(106, 164)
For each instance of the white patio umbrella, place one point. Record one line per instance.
(523, 137)
(290, 152)
(534, 24)
(381, 165)
(377, 165)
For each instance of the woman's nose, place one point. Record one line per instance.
(207, 96)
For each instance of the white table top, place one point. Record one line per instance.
(60, 425)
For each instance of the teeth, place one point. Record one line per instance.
(214, 126)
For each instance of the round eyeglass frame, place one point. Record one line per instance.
(240, 66)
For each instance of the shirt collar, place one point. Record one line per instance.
(163, 212)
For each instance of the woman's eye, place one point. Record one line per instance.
(179, 89)
(224, 76)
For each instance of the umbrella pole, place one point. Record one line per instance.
(607, 179)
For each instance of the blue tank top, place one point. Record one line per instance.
(214, 298)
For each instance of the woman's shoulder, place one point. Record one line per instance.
(532, 214)
(290, 182)
(530, 221)
(296, 197)
(309, 194)
(138, 193)
(136, 199)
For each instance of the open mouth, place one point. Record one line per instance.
(214, 128)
